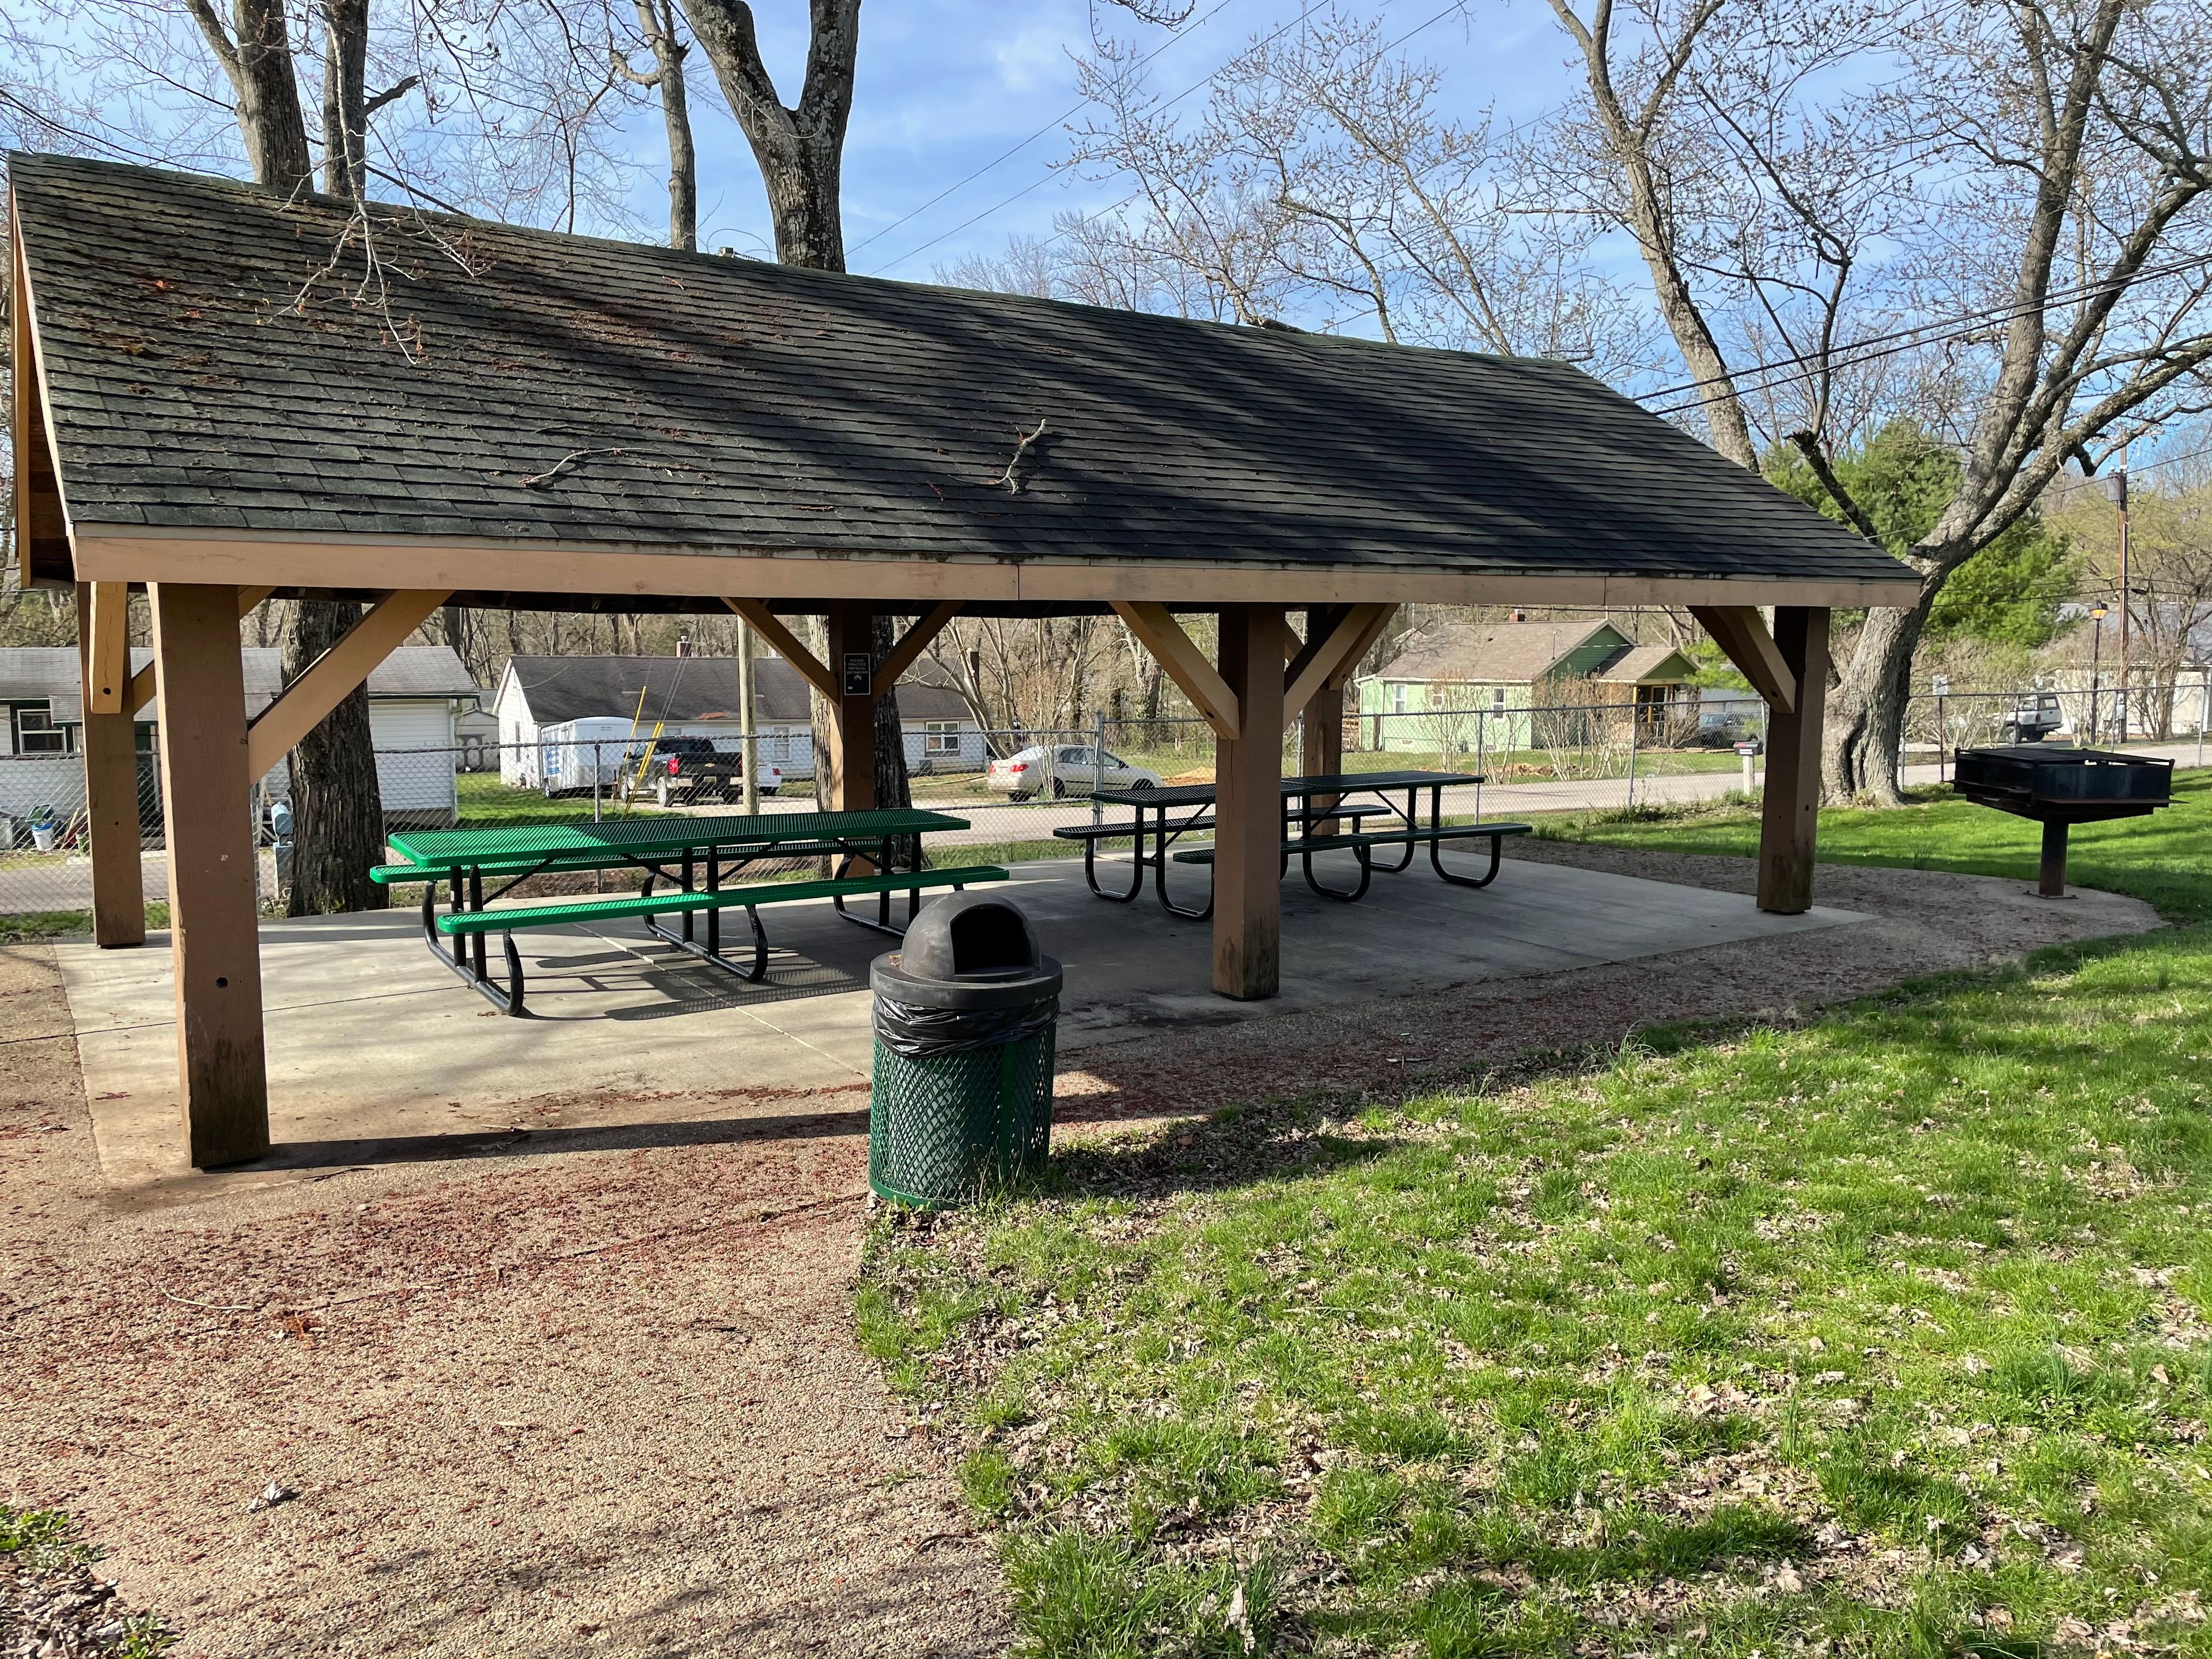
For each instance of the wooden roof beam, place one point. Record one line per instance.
(300, 708)
(1740, 631)
(1357, 654)
(1185, 665)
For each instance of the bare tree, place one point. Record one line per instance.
(2083, 129)
(656, 27)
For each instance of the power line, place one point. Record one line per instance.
(1305, 12)
(1065, 116)
(1808, 364)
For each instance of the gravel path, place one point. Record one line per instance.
(609, 1402)
(597, 1404)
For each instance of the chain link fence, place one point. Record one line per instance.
(1016, 787)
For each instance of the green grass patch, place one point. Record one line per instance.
(2163, 858)
(485, 803)
(45, 1559)
(44, 927)
(1890, 1333)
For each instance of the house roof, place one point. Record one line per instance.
(218, 363)
(1505, 654)
(1640, 663)
(31, 672)
(683, 689)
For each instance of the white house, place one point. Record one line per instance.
(414, 697)
(541, 701)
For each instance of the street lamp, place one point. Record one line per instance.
(2097, 614)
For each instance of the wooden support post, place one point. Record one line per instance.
(1248, 891)
(142, 682)
(215, 943)
(110, 800)
(852, 667)
(103, 623)
(1790, 827)
(1320, 748)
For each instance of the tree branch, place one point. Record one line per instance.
(1809, 448)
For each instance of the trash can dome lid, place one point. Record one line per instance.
(971, 938)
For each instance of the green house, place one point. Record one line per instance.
(1454, 686)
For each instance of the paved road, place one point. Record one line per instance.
(68, 885)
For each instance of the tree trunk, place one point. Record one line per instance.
(259, 66)
(1866, 713)
(800, 150)
(337, 812)
(675, 111)
(345, 98)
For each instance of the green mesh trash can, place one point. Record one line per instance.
(965, 1012)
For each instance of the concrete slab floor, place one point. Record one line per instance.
(377, 1053)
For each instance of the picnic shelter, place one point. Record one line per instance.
(224, 394)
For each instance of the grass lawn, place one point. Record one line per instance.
(1884, 1334)
(2165, 859)
(486, 803)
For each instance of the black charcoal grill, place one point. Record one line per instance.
(2061, 788)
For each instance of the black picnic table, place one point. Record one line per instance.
(1164, 813)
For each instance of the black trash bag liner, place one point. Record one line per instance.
(919, 1033)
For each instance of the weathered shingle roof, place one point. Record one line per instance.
(563, 689)
(213, 359)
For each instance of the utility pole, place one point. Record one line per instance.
(2127, 602)
(2096, 672)
(747, 733)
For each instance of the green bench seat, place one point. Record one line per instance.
(553, 912)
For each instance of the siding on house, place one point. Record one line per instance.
(413, 696)
(1460, 687)
(698, 696)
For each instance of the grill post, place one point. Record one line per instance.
(2053, 882)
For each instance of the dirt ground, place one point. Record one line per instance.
(605, 1399)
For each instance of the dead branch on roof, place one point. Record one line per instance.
(566, 463)
(1012, 483)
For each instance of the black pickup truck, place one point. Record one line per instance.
(692, 768)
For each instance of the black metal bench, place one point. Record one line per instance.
(1092, 834)
(1363, 845)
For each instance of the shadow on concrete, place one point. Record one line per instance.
(536, 1143)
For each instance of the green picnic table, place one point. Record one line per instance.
(696, 855)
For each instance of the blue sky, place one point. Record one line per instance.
(946, 85)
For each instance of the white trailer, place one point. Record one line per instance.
(596, 752)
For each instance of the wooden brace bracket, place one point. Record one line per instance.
(1185, 665)
(142, 684)
(1740, 631)
(769, 627)
(911, 644)
(1325, 658)
(331, 677)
